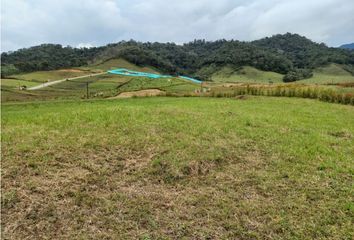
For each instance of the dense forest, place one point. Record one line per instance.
(289, 54)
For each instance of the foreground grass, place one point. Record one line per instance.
(193, 168)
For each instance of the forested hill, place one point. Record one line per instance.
(286, 54)
(348, 46)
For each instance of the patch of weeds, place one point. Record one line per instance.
(349, 208)
(341, 134)
(163, 171)
(9, 199)
(82, 198)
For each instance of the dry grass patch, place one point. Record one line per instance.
(177, 168)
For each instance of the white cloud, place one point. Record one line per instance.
(30, 22)
(85, 45)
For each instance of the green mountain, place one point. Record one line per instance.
(347, 46)
(289, 54)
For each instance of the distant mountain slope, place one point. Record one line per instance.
(303, 52)
(347, 46)
(281, 54)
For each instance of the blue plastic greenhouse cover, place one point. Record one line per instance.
(126, 72)
(191, 79)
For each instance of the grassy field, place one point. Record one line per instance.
(109, 85)
(46, 76)
(246, 75)
(118, 63)
(329, 75)
(14, 83)
(178, 168)
(169, 85)
(101, 86)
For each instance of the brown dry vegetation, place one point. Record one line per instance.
(178, 168)
(141, 93)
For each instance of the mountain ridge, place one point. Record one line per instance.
(347, 46)
(281, 53)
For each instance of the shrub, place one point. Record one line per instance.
(297, 74)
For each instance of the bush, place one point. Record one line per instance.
(297, 74)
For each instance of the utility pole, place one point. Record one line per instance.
(87, 90)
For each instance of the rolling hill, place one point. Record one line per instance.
(347, 46)
(281, 54)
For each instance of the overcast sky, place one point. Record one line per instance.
(27, 23)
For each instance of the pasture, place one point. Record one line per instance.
(178, 168)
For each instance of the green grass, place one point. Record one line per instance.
(118, 63)
(110, 85)
(331, 74)
(169, 85)
(107, 85)
(246, 75)
(15, 83)
(178, 168)
(45, 76)
(10, 90)
(102, 85)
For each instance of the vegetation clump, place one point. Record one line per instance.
(297, 74)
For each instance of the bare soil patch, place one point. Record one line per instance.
(70, 70)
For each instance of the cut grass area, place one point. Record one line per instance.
(331, 74)
(101, 86)
(118, 63)
(10, 90)
(15, 83)
(45, 76)
(192, 168)
(169, 85)
(246, 75)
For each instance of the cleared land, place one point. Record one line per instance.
(47, 84)
(192, 168)
(110, 85)
(331, 74)
(102, 86)
(46, 76)
(118, 63)
(140, 93)
(246, 75)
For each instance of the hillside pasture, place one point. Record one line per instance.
(245, 75)
(46, 76)
(118, 63)
(331, 74)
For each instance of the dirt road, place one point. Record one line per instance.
(43, 85)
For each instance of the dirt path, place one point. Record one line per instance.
(43, 85)
(141, 93)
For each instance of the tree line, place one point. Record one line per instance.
(289, 54)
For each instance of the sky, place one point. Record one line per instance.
(86, 23)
